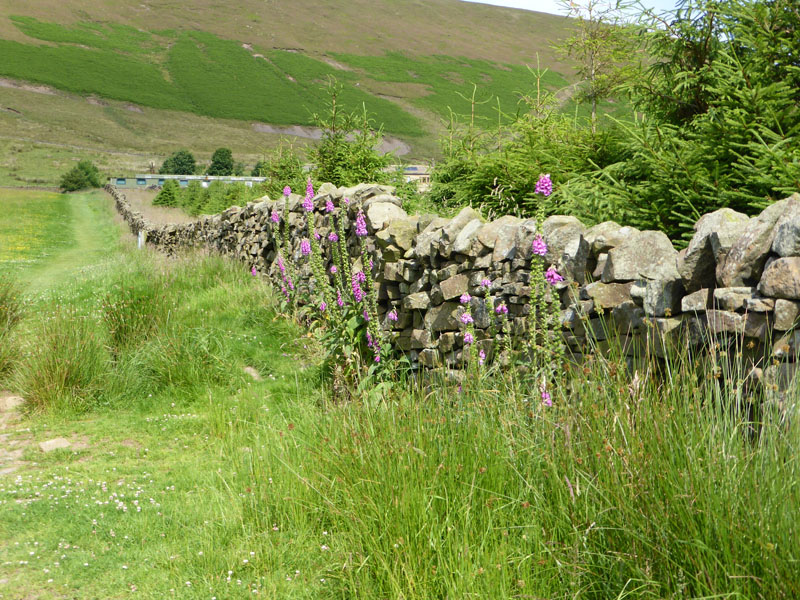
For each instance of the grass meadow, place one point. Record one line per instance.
(189, 478)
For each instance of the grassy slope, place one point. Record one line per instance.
(145, 56)
(361, 27)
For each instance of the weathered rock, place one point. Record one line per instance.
(786, 314)
(607, 295)
(628, 318)
(601, 264)
(451, 231)
(607, 235)
(380, 214)
(782, 376)
(400, 233)
(787, 230)
(732, 298)
(466, 236)
(418, 301)
(715, 233)
(443, 317)
(781, 279)
(54, 444)
(759, 304)
(505, 243)
(455, 286)
(428, 237)
(420, 338)
(698, 301)
(662, 297)
(559, 232)
(745, 260)
(489, 232)
(572, 263)
(643, 252)
(429, 358)
(750, 325)
(787, 346)
(391, 199)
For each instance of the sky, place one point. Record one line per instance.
(553, 6)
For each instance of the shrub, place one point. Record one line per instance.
(179, 163)
(83, 175)
(722, 122)
(281, 167)
(168, 196)
(347, 153)
(221, 162)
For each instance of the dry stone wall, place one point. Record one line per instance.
(738, 281)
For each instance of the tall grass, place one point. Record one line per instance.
(145, 328)
(627, 487)
(10, 315)
(65, 365)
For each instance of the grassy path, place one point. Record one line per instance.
(93, 235)
(149, 495)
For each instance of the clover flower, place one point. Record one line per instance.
(552, 276)
(501, 309)
(392, 316)
(305, 247)
(468, 338)
(466, 318)
(465, 298)
(361, 224)
(275, 217)
(329, 205)
(286, 191)
(544, 185)
(539, 246)
(332, 237)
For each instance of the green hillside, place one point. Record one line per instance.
(393, 59)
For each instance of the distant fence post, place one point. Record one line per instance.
(141, 239)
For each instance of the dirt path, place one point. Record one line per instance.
(11, 449)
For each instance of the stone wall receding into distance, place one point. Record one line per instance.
(738, 279)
